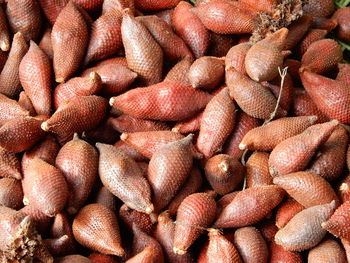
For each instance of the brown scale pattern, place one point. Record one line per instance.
(253, 98)
(264, 5)
(251, 245)
(190, 125)
(106, 198)
(330, 159)
(297, 30)
(300, 149)
(101, 258)
(152, 5)
(306, 188)
(56, 246)
(51, 8)
(73, 258)
(322, 56)
(41, 221)
(143, 54)
(4, 32)
(44, 187)
(220, 44)
(304, 230)
(250, 206)
(96, 227)
(9, 165)
(115, 60)
(258, 173)
(129, 150)
(89, 5)
(225, 17)
(3, 59)
(120, 5)
(70, 26)
(344, 73)
(9, 79)
(338, 223)
(224, 173)
(243, 124)
(132, 217)
(75, 87)
(268, 230)
(190, 28)
(328, 250)
(173, 46)
(278, 254)
(25, 102)
(115, 76)
(235, 57)
(179, 71)
(166, 15)
(24, 16)
(198, 209)
(267, 137)
(45, 43)
(122, 176)
(148, 255)
(80, 114)
(330, 96)
(264, 57)
(216, 124)
(10, 109)
(25, 131)
(128, 123)
(324, 23)
(11, 193)
(312, 36)
(225, 201)
(168, 170)
(105, 37)
(342, 16)
(167, 101)
(346, 245)
(35, 75)
(78, 161)
(319, 8)
(286, 211)
(293, 69)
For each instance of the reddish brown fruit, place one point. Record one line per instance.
(278, 254)
(73, 258)
(89, 5)
(330, 96)
(173, 46)
(4, 32)
(24, 16)
(71, 27)
(35, 76)
(338, 223)
(25, 131)
(169, 101)
(168, 170)
(80, 114)
(190, 28)
(166, 15)
(105, 39)
(129, 150)
(45, 43)
(344, 73)
(190, 125)
(9, 164)
(253, 98)
(226, 17)
(142, 52)
(179, 71)
(251, 245)
(322, 56)
(324, 23)
(243, 124)
(96, 227)
(265, 57)
(287, 211)
(41, 221)
(300, 149)
(11, 193)
(195, 212)
(224, 173)
(293, 69)
(250, 206)
(344, 189)
(316, 8)
(111, 61)
(327, 251)
(304, 230)
(120, 5)
(220, 44)
(216, 124)
(258, 173)
(123, 177)
(10, 109)
(206, 72)
(151, 5)
(25, 102)
(235, 57)
(148, 255)
(132, 217)
(57, 246)
(101, 258)
(267, 137)
(342, 16)
(346, 245)
(106, 198)
(225, 201)
(9, 79)
(312, 36)
(264, 5)
(51, 8)
(297, 30)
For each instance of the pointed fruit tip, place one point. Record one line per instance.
(4, 46)
(60, 80)
(111, 101)
(45, 126)
(124, 136)
(179, 251)
(223, 166)
(149, 209)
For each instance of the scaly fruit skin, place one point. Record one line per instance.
(267, 137)
(130, 151)
(332, 97)
(235, 57)
(286, 211)
(51, 9)
(278, 254)
(45, 43)
(250, 206)
(304, 230)
(152, 5)
(258, 173)
(189, 125)
(9, 78)
(324, 23)
(44, 187)
(73, 258)
(96, 227)
(168, 101)
(120, 5)
(9, 164)
(71, 27)
(327, 251)
(147, 255)
(226, 17)
(265, 57)
(179, 71)
(106, 198)
(35, 75)
(41, 221)
(123, 177)
(142, 52)
(264, 5)
(190, 28)
(168, 170)
(101, 258)
(312, 36)
(26, 103)
(216, 124)
(342, 16)
(300, 149)
(251, 245)
(198, 209)
(132, 217)
(297, 30)
(338, 223)
(89, 5)
(4, 32)
(10, 109)
(317, 8)
(344, 73)
(11, 193)
(322, 56)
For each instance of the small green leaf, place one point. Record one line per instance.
(341, 3)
